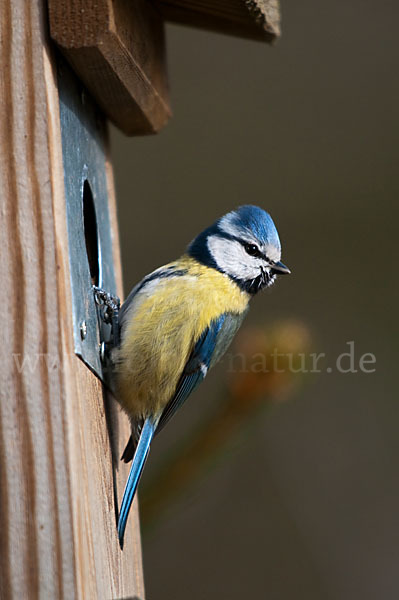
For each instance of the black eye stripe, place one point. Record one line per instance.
(228, 236)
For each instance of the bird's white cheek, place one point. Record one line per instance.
(230, 257)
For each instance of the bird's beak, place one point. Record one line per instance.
(280, 269)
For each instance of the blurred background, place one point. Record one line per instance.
(288, 485)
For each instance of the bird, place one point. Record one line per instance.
(179, 320)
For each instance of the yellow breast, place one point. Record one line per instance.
(166, 319)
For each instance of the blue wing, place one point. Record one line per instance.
(195, 370)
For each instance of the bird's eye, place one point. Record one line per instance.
(252, 250)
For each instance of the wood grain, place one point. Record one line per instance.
(118, 50)
(253, 19)
(60, 437)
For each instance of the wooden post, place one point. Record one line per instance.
(58, 438)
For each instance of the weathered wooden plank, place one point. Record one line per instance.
(253, 19)
(118, 50)
(59, 438)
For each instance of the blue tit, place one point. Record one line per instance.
(179, 320)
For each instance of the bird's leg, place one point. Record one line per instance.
(109, 306)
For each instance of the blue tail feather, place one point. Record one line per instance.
(139, 458)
